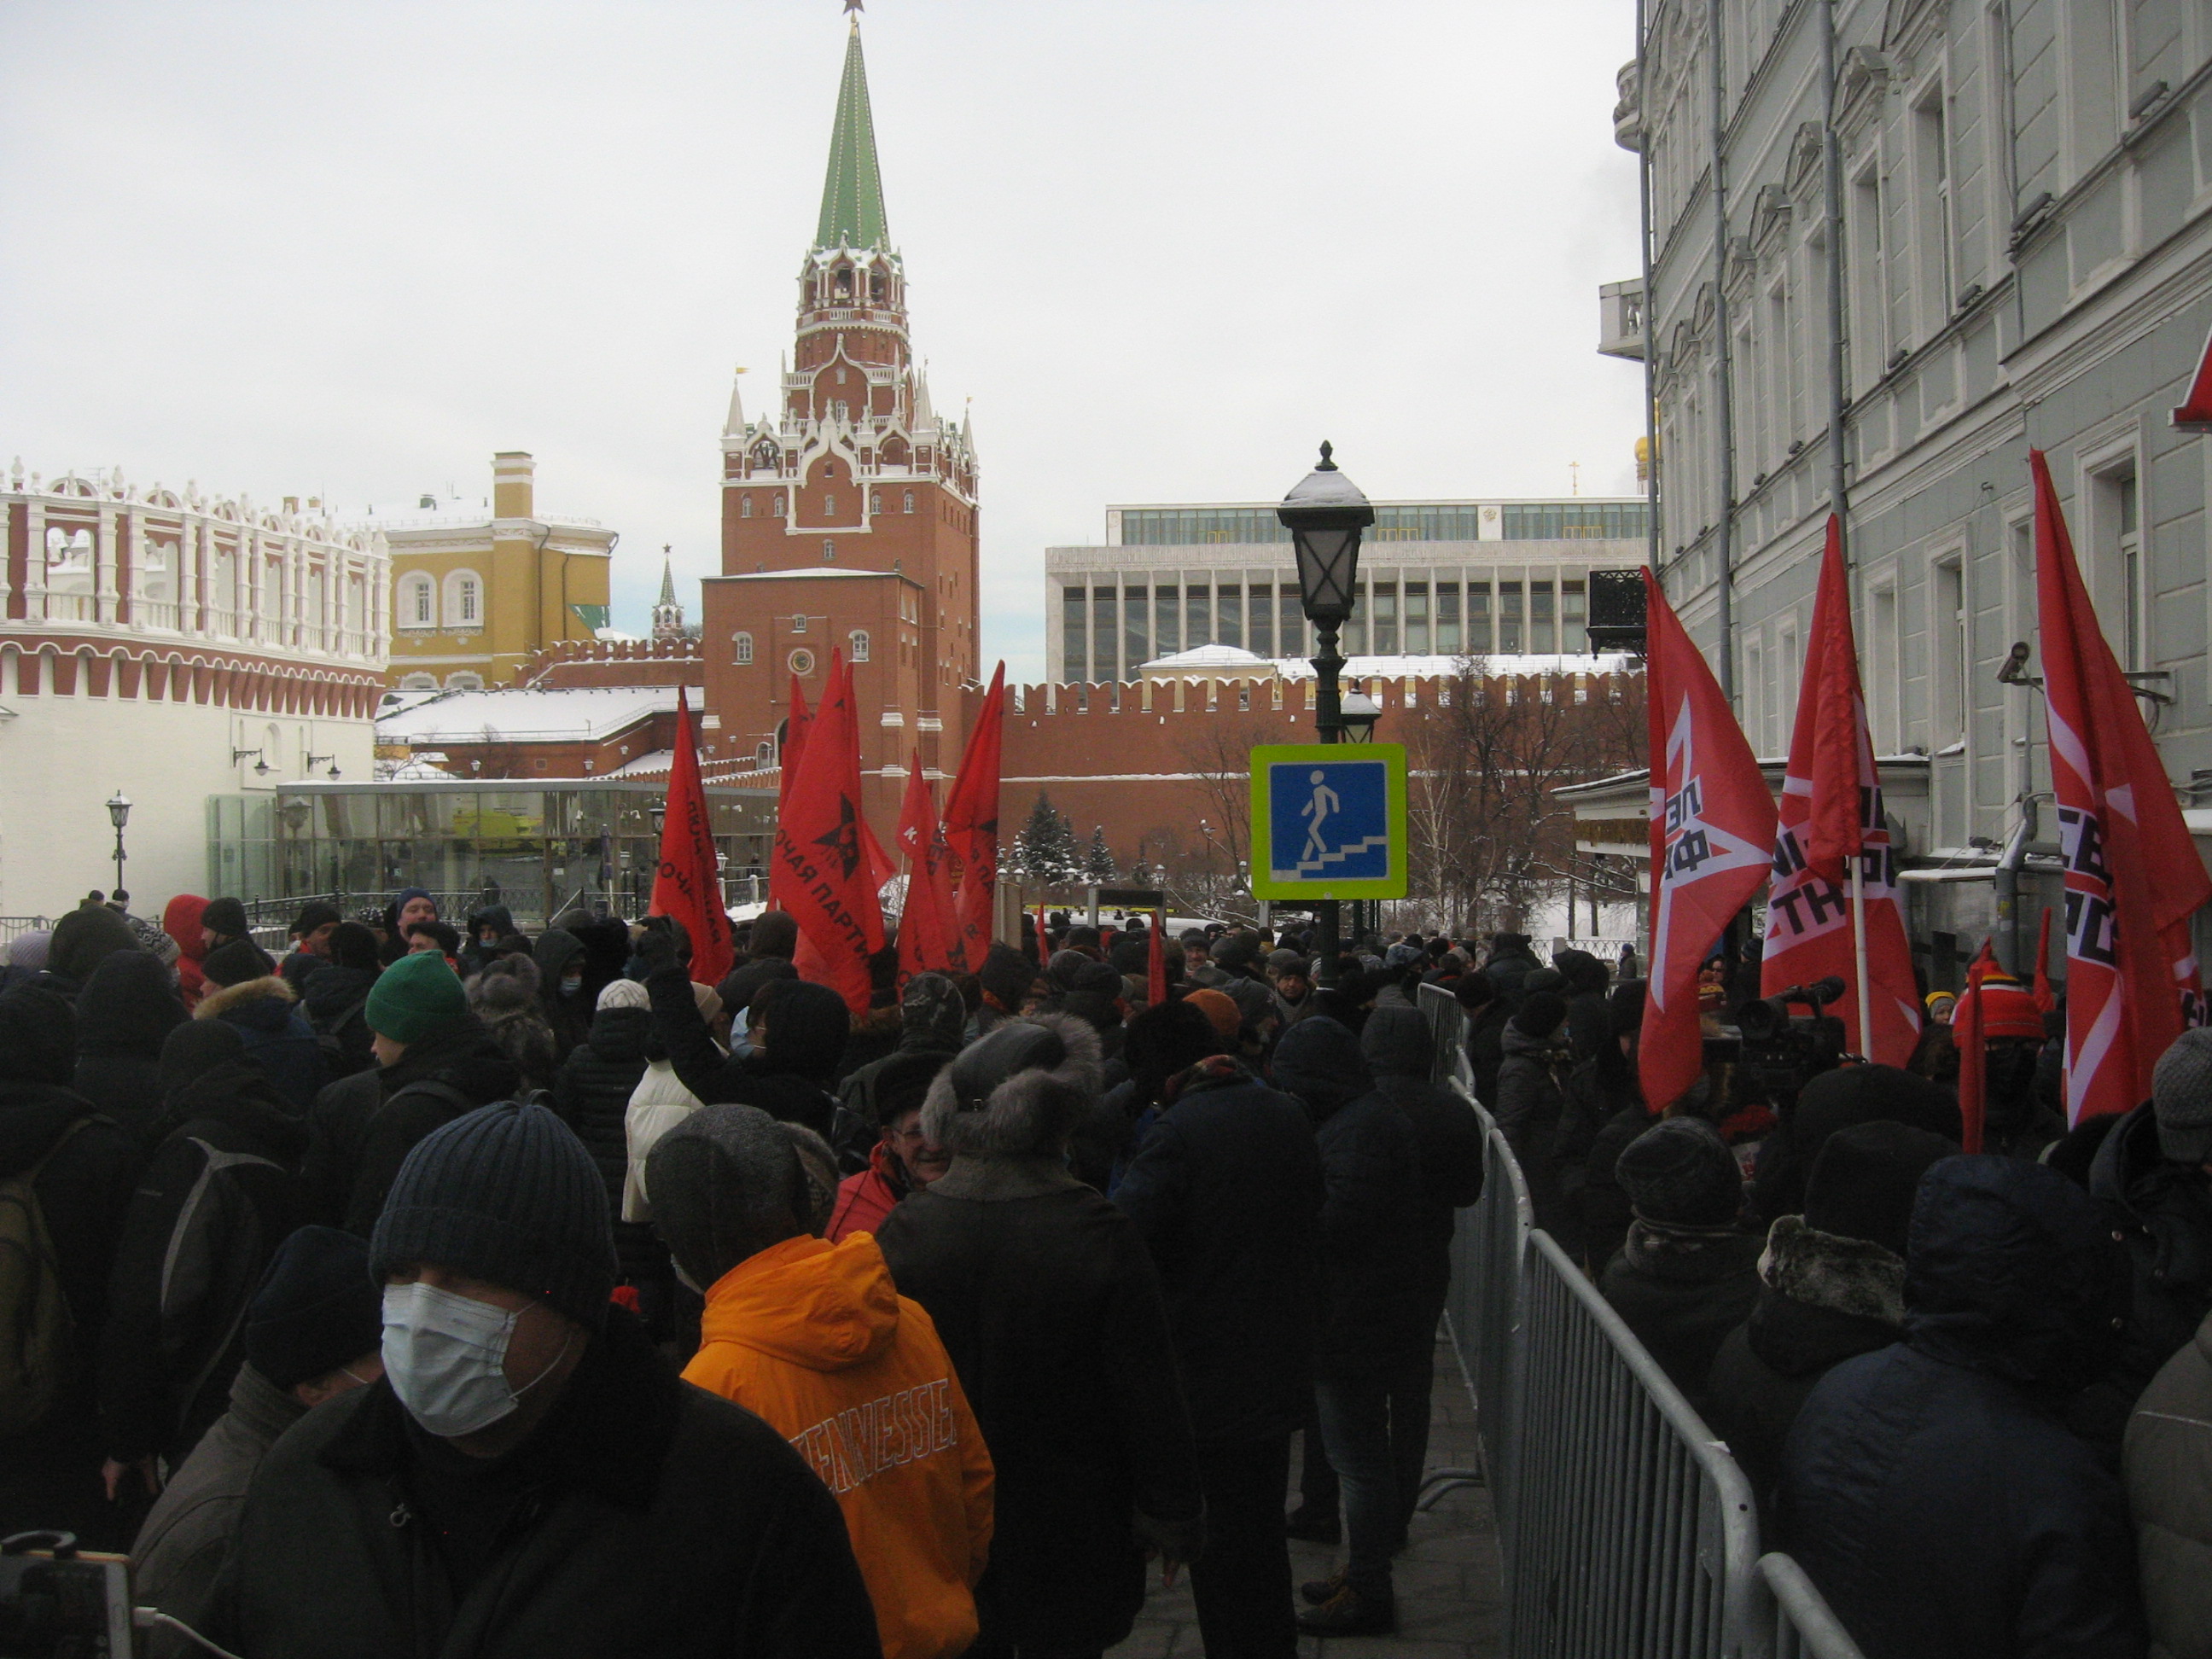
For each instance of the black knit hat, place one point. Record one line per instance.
(317, 1308)
(236, 962)
(1864, 1179)
(1540, 1014)
(225, 917)
(37, 1036)
(1679, 1173)
(508, 1194)
(193, 1049)
(1007, 973)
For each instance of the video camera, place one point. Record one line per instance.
(1785, 1051)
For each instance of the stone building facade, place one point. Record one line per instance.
(2023, 214)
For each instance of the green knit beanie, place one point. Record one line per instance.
(416, 995)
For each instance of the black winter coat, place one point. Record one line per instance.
(807, 1025)
(49, 1474)
(336, 998)
(1447, 1135)
(444, 1076)
(1929, 1489)
(1485, 1049)
(1050, 1309)
(2163, 1212)
(126, 1009)
(212, 1207)
(592, 1093)
(1531, 1101)
(1227, 1193)
(265, 1013)
(1834, 1101)
(1681, 1291)
(1373, 1311)
(1822, 1300)
(653, 1519)
(569, 1017)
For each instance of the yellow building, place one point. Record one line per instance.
(478, 586)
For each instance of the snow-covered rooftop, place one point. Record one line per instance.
(1229, 658)
(533, 714)
(1205, 656)
(811, 570)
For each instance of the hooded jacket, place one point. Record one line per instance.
(336, 999)
(363, 1127)
(1400, 1049)
(180, 921)
(814, 1338)
(2169, 1474)
(475, 954)
(265, 1013)
(2163, 1213)
(49, 1474)
(570, 1017)
(1842, 1099)
(126, 1010)
(218, 1197)
(807, 1025)
(82, 939)
(657, 1520)
(592, 1093)
(1929, 1489)
(1372, 1309)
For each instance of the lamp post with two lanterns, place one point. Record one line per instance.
(1325, 514)
(118, 814)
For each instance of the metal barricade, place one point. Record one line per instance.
(1803, 1626)
(11, 926)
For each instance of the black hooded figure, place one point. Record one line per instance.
(127, 1008)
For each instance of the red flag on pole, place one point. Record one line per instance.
(2045, 998)
(1968, 1038)
(971, 819)
(818, 846)
(929, 928)
(2131, 975)
(1831, 819)
(689, 886)
(1156, 962)
(792, 749)
(1712, 839)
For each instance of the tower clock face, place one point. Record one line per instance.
(800, 662)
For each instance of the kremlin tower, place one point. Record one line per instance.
(848, 511)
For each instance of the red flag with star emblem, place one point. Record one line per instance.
(689, 885)
(793, 749)
(1712, 839)
(1831, 814)
(828, 887)
(929, 928)
(971, 819)
(2133, 875)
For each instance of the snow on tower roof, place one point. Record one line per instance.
(532, 714)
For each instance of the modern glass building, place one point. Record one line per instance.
(1442, 578)
(539, 848)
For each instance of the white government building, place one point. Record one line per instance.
(178, 647)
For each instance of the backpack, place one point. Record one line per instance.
(38, 1333)
(331, 1047)
(216, 1254)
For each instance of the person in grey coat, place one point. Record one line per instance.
(313, 1331)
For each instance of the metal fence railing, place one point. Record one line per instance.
(11, 926)
(1624, 1526)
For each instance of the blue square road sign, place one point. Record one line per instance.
(1328, 821)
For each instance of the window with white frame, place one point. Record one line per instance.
(2117, 578)
(464, 601)
(1881, 661)
(418, 602)
(763, 756)
(858, 639)
(1931, 206)
(910, 501)
(1949, 650)
(741, 649)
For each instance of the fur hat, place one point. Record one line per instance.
(1015, 1092)
(1679, 1173)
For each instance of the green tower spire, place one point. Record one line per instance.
(852, 193)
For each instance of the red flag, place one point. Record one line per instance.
(883, 868)
(818, 845)
(2131, 977)
(793, 748)
(1968, 1038)
(929, 929)
(971, 819)
(1156, 962)
(1831, 814)
(2045, 998)
(2195, 414)
(1712, 836)
(1043, 943)
(689, 887)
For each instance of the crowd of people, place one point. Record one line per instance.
(436, 1284)
(420, 1286)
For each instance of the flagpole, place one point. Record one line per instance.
(1859, 954)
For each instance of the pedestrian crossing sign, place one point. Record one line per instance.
(1328, 821)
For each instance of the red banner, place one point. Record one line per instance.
(689, 886)
(971, 819)
(1969, 1038)
(1156, 962)
(929, 928)
(1712, 839)
(1831, 814)
(794, 749)
(819, 847)
(2131, 975)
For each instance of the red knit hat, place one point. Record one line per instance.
(2007, 1012)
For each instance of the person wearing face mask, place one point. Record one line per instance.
(528, 1477)
(313, 1331)
(560, 958)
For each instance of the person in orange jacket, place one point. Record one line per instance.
(816, 1339)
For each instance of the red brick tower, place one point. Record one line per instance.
(848, 514)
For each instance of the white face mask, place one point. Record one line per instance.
(445, 1356)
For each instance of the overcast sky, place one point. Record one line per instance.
(1164, 245)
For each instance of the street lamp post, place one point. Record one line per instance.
(1325, 514)
(118, 814)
